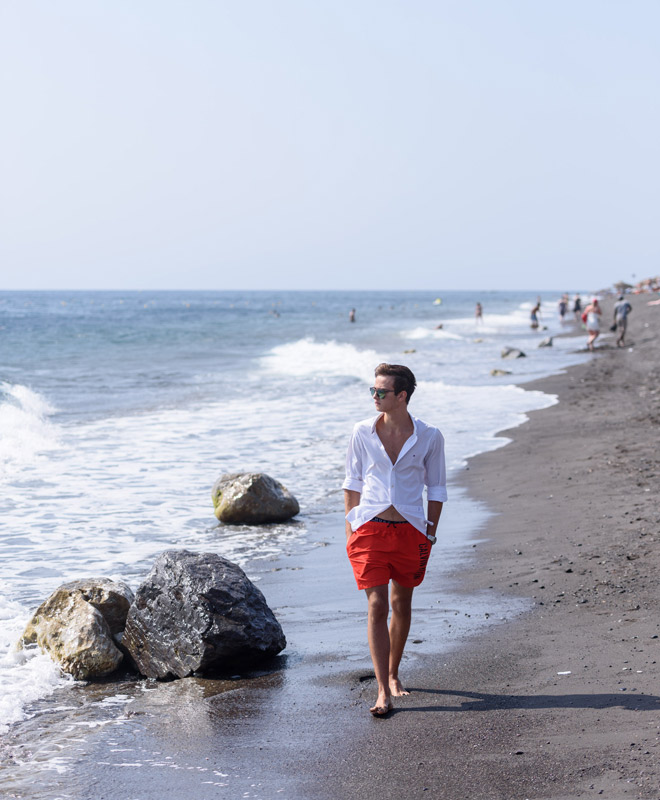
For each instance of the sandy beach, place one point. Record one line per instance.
(562, 702)
(555, 699)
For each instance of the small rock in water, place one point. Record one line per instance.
(496, 373)
(252, 498)
(512, 352)
(547, 342)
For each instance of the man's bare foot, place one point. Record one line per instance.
(397, 689)
(382, 706)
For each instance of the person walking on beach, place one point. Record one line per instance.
(391, 457)
(591, 318)
(478, 314)
(621, 310)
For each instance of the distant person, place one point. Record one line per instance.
(621, 310)
(577, 307)
(534, 316)
(591, 318)
(563, 306)
(391, 458)
(478, 314)
(351, 315)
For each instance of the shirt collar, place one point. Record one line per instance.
(378, 416)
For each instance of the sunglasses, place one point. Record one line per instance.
(380, 393)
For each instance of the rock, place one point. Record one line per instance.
(75, 626)
(199, 613)
(252, 498)
(496, 373)
(547, 342)
(111, 598)
(512, 352)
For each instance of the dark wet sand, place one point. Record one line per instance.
(572, 548)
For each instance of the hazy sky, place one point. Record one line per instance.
(313, 144)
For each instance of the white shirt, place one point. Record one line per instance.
(381, 484)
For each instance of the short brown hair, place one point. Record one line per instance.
(404, 380)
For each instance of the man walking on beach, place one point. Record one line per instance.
(391, 457)
(621, 310)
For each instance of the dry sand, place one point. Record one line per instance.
(558, 702)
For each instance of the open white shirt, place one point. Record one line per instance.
(381, 484)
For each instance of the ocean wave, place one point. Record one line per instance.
(431, 333)
(309, 357)
(25, 428)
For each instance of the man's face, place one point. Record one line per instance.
(391, 400)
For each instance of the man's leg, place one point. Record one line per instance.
(622, 333)
(379, 645)
(399, 628)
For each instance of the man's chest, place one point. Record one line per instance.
(390, 458)
(392, 445)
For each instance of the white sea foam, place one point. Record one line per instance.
(430, 333)
(26, 432)
(468, 422)
(25, 675)
(309, 357)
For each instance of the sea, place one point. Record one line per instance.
(119, 410)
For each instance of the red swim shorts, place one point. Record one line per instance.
(379, 552)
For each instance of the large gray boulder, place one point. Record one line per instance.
(199, 613)
(252, 498)
(77, 623)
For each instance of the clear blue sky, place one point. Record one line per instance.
(328, 144)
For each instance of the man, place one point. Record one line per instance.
(391, 457)
(621, 310)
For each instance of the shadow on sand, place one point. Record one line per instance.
(479, 701)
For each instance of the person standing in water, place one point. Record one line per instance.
(391, 457)
(534, 315)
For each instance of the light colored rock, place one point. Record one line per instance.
(111, 598)
(252, 498)
(496, 373)
(547, 342)
(74, 632)
(512, 352)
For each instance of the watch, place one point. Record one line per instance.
(432, 539)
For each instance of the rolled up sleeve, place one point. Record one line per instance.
(435, 470)
(354, 481)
